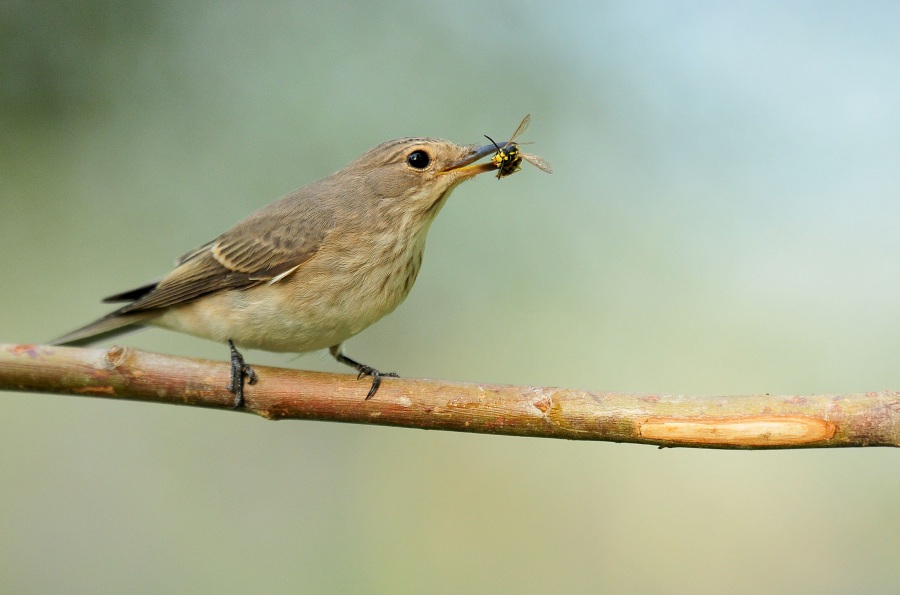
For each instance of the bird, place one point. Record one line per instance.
(310, 270)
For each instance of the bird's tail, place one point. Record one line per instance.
(111, 325)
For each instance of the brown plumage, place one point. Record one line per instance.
(313, 268)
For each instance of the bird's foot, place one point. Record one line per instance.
(239, 372)
(363, 370)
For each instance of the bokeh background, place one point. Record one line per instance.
(723, 219)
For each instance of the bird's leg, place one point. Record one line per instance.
(363, 369)
(239, 371)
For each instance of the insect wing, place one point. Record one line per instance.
(520, 130)
(537, 162)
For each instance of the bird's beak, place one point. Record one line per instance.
(466, 167)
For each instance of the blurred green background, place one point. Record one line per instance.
(723, 219)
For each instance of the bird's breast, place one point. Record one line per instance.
(333, 296)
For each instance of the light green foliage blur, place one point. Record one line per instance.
(723, 219)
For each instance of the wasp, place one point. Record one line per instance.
(508, 158)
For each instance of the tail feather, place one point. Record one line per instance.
(132, 295)
(109, 326)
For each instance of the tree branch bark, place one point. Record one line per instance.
(737, 422)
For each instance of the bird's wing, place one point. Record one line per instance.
(266, 247)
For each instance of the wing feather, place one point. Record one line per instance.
(266, 247)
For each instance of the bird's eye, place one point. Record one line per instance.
(418, 159)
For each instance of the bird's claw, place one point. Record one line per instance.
(240, 372)
(376, 378)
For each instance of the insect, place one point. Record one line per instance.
(508, 158)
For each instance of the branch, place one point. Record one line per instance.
(746, 422)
